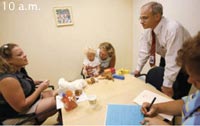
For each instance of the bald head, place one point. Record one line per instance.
(151, 15)
(155, 7)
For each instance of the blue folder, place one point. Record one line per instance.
(123, 115)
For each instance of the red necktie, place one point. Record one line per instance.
(152, 58)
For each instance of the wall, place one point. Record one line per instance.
(55, 52)
(184, 11)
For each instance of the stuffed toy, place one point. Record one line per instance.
(106, 75)
(64, 85)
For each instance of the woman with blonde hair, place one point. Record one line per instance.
(106, 55)
(5, 67)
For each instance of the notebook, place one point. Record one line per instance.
(123, 115)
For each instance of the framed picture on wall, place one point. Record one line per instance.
(63, 16)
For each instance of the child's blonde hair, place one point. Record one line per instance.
(90, 50)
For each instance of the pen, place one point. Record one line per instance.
(148, 108)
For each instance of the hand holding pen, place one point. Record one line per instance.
(148, 109)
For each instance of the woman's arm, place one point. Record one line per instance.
(112, 61)
(98, 69)
(11, 90)
(170, 108)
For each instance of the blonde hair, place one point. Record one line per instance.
(108, 47)
(90, 50)
(5, 67)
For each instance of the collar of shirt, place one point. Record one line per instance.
(158, 28)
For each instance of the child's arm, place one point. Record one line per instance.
(84, 71)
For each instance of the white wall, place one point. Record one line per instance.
(184, 11)
(55, 52)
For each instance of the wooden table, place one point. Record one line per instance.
(107, 92)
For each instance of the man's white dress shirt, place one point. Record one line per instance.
(170, 36)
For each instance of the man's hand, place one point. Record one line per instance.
(136, 73)
(168, 91)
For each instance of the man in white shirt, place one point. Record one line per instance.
(169, 36)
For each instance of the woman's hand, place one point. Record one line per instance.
(49, 93)
(152, 112)
(153, 121)
(37, 82)
(44, 85)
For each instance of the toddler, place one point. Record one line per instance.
(91, 64)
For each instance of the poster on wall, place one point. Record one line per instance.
(63, 16)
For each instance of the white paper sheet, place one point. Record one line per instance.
(147, 96)
(59, 103)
